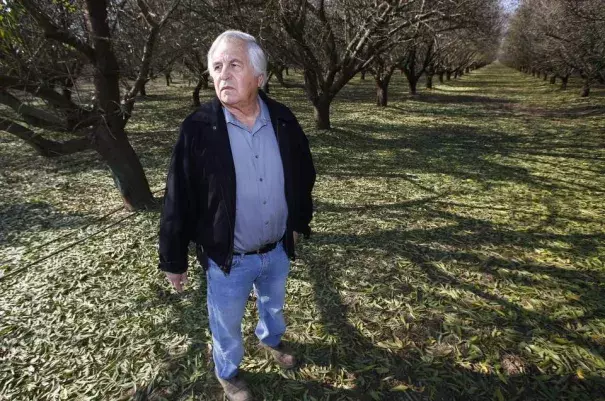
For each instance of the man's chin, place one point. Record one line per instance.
(228, 99)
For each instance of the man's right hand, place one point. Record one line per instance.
(177, 280)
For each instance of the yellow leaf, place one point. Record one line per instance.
(580, 374)
(400, 387)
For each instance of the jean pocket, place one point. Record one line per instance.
(237, 260)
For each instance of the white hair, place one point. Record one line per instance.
(256, 55)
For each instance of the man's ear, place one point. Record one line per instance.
(259, 81)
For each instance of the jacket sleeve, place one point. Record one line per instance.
(306, 181)
(177, 221)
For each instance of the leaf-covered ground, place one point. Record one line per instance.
(458, 253)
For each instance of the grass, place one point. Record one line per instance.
(458, 253)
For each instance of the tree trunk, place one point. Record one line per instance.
(413, 84)
(429, 81)
(363, 76)
(564, 81)
(144, 89)
(66, 93)
(168, 78)
(201, 83)
(109, 138)
(448, 75)
(127, 171)
(441, 77)
(287, 71)
(322, 113)
(553, 80)
(545, 76)
(279, 75)
(586, 88)
(456, 75)
(205, 80)
(468, 69)
(382, 94)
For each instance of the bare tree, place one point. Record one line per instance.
(332, 41)
(50, 48)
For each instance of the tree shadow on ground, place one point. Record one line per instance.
(15, 219)
(457, 150)
(417, 365)
(461, 99)
(572, 113)
(417, 371)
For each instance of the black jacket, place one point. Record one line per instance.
(199, 201)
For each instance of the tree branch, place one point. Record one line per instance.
(52, 31)
(77, 117)
(32, 115)
(43, 146)
(147, 53)
(38, 89)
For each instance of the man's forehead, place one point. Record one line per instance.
(230, 48)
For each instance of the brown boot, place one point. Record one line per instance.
(282, 355)
(236, 389)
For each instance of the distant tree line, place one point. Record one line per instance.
(557, 39)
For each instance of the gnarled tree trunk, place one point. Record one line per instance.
(109, 139)
(202, 83)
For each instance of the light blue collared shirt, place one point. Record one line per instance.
(261, 210)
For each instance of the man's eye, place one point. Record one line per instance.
(217, 67)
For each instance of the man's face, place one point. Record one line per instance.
(233, 75)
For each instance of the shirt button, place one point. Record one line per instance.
(214, 127)
(265, 202)
(256, 156)
(266, 223)
(261, 180)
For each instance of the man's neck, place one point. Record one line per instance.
(246, 114)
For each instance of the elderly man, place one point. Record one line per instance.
(239, 185)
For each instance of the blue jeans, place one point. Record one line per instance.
(227, 298)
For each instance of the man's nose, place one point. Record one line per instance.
(225, 73)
